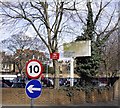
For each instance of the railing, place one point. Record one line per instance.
(63, 82)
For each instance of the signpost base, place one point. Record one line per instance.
(72, 72)
(32, 103)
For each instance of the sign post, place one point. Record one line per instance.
(76, 49)
(47, 68)
(72, 72)
(33, 87)
(33, 90)
(32, 102)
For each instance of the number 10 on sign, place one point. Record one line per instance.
(34, 69)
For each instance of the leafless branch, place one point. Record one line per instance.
(100, 11)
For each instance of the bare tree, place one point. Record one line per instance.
(50, 20)
(110, 56)
(45, 18)
(20, 42)
(23, 55)
(104, 19)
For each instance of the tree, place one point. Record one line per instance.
(22, 41)
(89, 66)
(23, 55)
(51, 20)
(20, 46)
(109, 65)
(45, 18)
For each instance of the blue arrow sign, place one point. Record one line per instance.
(33, 88)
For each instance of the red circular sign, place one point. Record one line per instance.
(34, 69)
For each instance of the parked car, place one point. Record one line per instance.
(62, 81)
(18, 85)
(98, 83)
(102, 84)
(47, 82)
(5, 83)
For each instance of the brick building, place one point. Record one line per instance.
(22, 56)
(12, 64)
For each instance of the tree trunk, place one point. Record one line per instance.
(56, 74)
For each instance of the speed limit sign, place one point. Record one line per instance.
(34, 69)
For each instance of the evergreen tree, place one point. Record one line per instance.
(88, 66)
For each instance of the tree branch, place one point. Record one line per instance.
(100, 10)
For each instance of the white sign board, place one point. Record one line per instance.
(77, 49)
(69, 54)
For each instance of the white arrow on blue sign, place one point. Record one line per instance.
(33, 88)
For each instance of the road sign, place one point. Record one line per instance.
(54, 55)
(33, 88)
(34, 69)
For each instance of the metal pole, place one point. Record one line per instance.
(72, 72)
(118, 38)
(32, 103)
(47, 70)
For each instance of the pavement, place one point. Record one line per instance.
(113, 103)
(110, 103)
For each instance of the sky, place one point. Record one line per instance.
(4, 33)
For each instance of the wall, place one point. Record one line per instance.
(17, 96)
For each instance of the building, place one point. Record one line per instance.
(6, 63)
(13, 64)
(23, 55)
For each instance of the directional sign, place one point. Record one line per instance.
(34, 69)
(33, 88)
